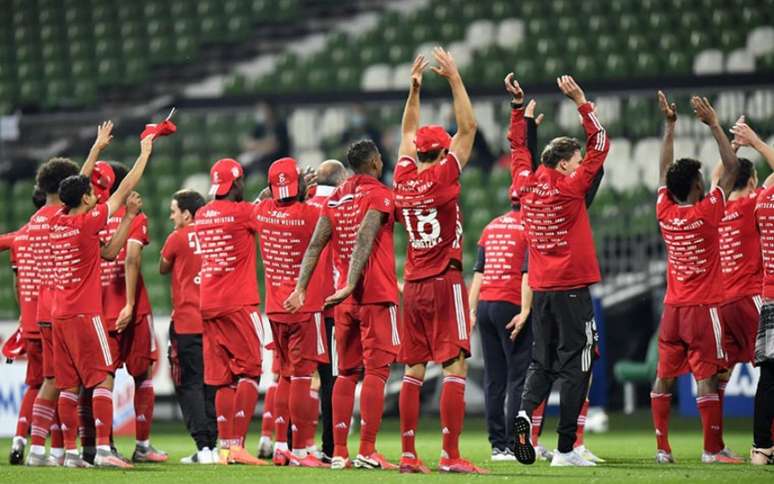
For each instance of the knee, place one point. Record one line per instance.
(382, 372)
(457, 366)
(663, 385)
(416, 371)
(707, 386)
(351, 374)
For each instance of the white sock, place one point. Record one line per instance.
(300, 453)
(143, 443)
(19, 441)
(58, 453)
(73, 452)
(265, 439)
(38, 449)
(103, 448)
(280, 446)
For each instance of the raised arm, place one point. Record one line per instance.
(366, 234)
(110, 250)
(462, 142)
(133, 177)
(532, 126)
(744, 135)
(521, 158)
(320, 237)
(667, 154)
(104, 137)
(703, 110)
(410, 121)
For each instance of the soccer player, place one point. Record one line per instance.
(181, 259)
(435, 315)
(48, 178)
(690, 333)
(358, 221)
(82, 354)
(228, 299)
(563, 264)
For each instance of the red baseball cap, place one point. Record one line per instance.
(14, 346)
(102, 179)
(283, 178)
(222, 176)
(432, 137)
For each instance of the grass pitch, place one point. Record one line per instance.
(629, 448)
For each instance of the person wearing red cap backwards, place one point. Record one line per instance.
(358, 221)
(285, 227)
(435, 311)
(226, 228)
(82, 353)
(126, 308)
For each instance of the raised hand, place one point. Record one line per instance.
(669, 109)
(104, 135)
(134, 203)
(529, 112)
(310, 179)
(744, 134)
(446, 66)
(571, 89)
(420, 64)
(704, 111)
(513, 87)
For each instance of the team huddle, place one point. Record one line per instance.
(335, 306)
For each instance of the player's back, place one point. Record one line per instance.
(505, 247)
(692, 241)
(325, 264)
(183, 250)
(764, 217)
(427, 204)
(228, 277)
(740, 248)
(38, 230)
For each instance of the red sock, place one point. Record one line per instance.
(314, 395)
(68, 412)
(42, 414)
(267, 422)
(537, 422)
(371, 409)
(245, 399)
(709, 409)
(581, 424)
(660, 408)
(57, 439)
(86, 428)
(282, 410)
(224, 409)
(25, 412)
(144, 397)
(343, 403)
(452, 414)
(408, 406)
(301, 410)
(721, 394)
(102, 406)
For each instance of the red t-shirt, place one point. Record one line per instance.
(23, 264)
(285, 231)
(38, 230)
(427, 204)
(764, 217)
(553, 206)
(346, 208)
(183, 251)
(114, 272)
(226, 232)
(505, 246)
(740, 249)
(325, 262)
(692, 242)
(76, 253)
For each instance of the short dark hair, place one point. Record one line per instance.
(190, 200)
(360, 153)
(51, 173)
(73, 188)
(120, 171)
(746, 170)
(681, 176)
(561, 148)
(428, 156)
(38, 197)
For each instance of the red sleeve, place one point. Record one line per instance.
(96, 219)
(597, 146)
(169, 251)
(663, 201)
(251, 211)
(138, 232)
(713, 206)
(521, 159)
(6, 241)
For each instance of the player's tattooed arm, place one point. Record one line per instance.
(410, 121)
(320, 237)
(706, 114)
(667, 154)
(110, 250)
(462, 142)
(366, 234)
(104, 137)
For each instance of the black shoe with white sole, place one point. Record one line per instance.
(523, 449)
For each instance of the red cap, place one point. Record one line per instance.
(163, 128)
(432, 137)
(283, 178)
(14, 345)
(102, 179)
(222, 176)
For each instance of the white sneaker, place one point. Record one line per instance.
(543, 453)
(569, 459)
(339, 463)
(265, 448)
(500, 455)
(582, 451)
(664, 457)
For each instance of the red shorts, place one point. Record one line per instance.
(135, 346)
(435, 319)
(740, 325)
(301, 346)
(81, 351)
(365, 336)
(34, 349)
(232, 346)
(47, 340)
(690, 339)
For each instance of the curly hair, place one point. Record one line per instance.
(561, 148)
(746, 171)
(51, 173)
(681, 176)
(73, 188)
(360, 153)
(38, 197)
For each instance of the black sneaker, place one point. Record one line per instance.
(523, 449)
(17, 456)
(325, 458)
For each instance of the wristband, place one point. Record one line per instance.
(515, 105)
